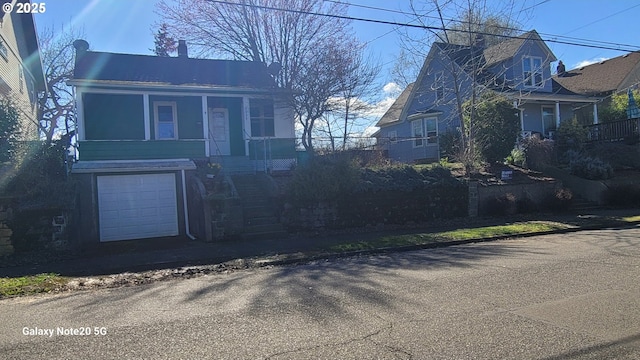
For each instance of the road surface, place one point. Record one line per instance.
(571, 296)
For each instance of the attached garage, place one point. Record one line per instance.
(137, 206)
(135, 199)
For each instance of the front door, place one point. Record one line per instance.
(219, 132)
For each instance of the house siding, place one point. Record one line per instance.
(10, 79)
(132, 150)
(189, 109)
(234, 107)
(113, 117)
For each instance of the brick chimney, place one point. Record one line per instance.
(81, 46)
(182, 49)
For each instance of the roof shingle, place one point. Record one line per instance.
(610, 75)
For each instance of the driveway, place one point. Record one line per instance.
(570, 296)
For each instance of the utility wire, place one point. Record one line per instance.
(424, 27)
(552, 36)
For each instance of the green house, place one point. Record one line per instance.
(143, 120)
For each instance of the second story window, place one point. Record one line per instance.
(166, 120)
(532, 71)
(438, 85)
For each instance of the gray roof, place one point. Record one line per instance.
(395, 111)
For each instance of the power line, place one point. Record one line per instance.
(604, 18)
(553, 36)
(423, 27)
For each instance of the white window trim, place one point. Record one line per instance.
(414, 136)
(531, 83)
(426, 137)
(174, 108)
(438, 85)
(393, 137)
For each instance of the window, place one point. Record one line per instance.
(166, 120)
(392, 136)
(424, 131)
(532, 71)
(432, 130)
(416, 133)
(4, 52)
(438, 85)
(262, 118)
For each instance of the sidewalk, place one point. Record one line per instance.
(135, 256)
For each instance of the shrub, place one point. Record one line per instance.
(9, 130)
(450, 144)
(619, 155)
(590, 168)
(517, 158)
(626, 195)
(322, 179)
(538, 153)
(571, 135)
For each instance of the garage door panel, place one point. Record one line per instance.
(137, 206)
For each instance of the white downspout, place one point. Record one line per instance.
(557, 115)
(595, 113)
(186, 209)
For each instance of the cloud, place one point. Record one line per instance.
(392, 88)
(587, 62)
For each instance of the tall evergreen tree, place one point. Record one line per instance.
(165, 44)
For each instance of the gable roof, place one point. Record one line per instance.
(104, 66)
(395, 111)
(508, 48)
(610, 75)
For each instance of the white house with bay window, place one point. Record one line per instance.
(518, 68)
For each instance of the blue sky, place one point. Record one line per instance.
(126, 26)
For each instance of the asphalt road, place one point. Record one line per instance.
(572, 296)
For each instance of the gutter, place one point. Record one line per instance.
(186, 209)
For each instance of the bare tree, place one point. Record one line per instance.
(308, 47)
(56, 109)
(461, 42)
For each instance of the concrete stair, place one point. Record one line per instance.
(260, 217)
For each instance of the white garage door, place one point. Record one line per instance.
(137, 206)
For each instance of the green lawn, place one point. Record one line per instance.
(460, 234)
(34, 284)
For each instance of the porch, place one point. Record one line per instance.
(265, 155)
(614, 131)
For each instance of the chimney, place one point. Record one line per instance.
(182, 49)
(81, 47)
(561, 70)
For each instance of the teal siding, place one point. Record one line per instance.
(113, 117)
(132, 150)
(279, 148)
(234, 107)
(189, 110)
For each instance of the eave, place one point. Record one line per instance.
(84, 84)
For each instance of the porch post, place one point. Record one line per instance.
(147, 117)
(205, 126)
(595, 113)
(246, 123)
(80, 115)
(557, 115)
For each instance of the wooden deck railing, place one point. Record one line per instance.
(614, 131)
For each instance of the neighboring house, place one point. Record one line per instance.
(21, 75)
(603, 79)
(518, 68)
(142, 120)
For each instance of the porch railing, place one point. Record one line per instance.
(613, 131)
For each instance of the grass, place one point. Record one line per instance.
(34, 284)
(631, 218)
(460, 234)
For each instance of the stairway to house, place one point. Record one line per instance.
(579, 204)
(259, 212)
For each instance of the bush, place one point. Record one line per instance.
(9, 130)
(517, 158)
(538, 153)
(450, 144)
(571, 135)
(627, 195)
(322, 179)
(620, 156)
(589, 168)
